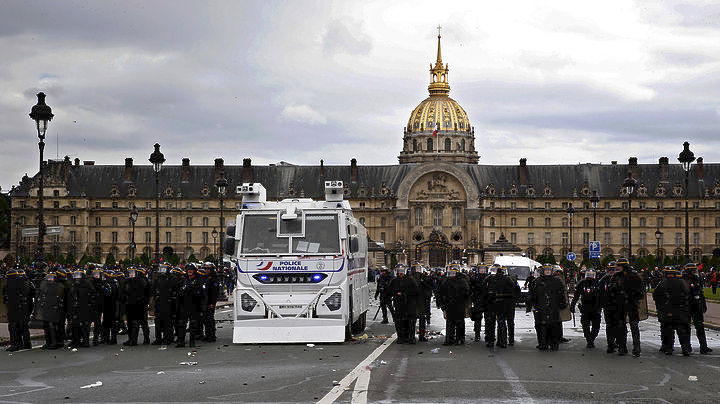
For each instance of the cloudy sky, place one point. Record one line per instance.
(300, 81)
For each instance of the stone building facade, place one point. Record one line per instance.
(437, 204)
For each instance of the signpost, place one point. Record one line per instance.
(594, 249)
(571, 256)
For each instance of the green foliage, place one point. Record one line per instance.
(172, 259)
(192, 258)
(83, 260)
(606, 260)
(70, 259)
(393, 261)
(9, 259)
(110, 259)
(144, 259)
(210, 258)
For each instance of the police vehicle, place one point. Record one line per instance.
(302, 270)
(521, 267)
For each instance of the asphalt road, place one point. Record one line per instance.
(372, 369)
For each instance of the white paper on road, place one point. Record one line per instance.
(89, 386)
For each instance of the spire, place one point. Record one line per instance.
(439, 74)
(439, 54)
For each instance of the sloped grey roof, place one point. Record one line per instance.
(381, 181)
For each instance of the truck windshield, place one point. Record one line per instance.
(321, 236)
(520, 272)
(259, 235)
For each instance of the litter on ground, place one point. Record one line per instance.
(89, 386)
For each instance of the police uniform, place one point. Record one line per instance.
(478, 293)
(626, 290)
(609, 307)
(501, 291)
(50, 309)
(454, 292)
(672, 300)
(212, 287)
(383, 284)
(405, 294)
(17, 294)
(163, 298)
(587, 293)
(546, 299)
(698, 305)
(80, 306)
(110, 307)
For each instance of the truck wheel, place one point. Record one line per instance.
(359, 325)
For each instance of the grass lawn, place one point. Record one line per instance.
(710, 297)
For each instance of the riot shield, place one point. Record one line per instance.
(565, 314)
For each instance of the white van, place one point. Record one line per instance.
(521, 267)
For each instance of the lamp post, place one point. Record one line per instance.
(214, 236)
(629, 185)
(157, 159)
(594, 201)
(133, 219)
(41, 113)
(658, 237)
(686, 157)
(221, 185)
(571, 212)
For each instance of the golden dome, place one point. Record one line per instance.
(438, 109)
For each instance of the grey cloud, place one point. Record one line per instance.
(345, 37)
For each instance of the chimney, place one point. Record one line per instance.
(523, 172)
(614, 162)
(700, 168)
(185, 169)
(663, 166)
(247, 171)
(88, 163)
(219, 167)
(633, 166)
(77, 161)
(353, 170)
(322, 167)
(128, 173)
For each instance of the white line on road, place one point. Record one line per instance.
(518, 389)
(360, 393)
(345, 383)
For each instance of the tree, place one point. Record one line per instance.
(110, 259)
(192, 258)
(145, 259)
(210, 258)
(606, 260)
(83, 260)
(9, 260)
(173, 259)
(70, 259)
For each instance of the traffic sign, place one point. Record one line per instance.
(594, 249)
(571, 256)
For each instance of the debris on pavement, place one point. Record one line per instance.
(364, 336)
(310, 345)
(162, 348)
(89, 386)
(202, 381)
(435, 350)
(74, 350)
(382, 362)
(188, 363)
(692, 378)
(161, 372)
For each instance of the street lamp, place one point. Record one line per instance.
(629, 185)
(157, 159)
(214, 236)
(221, 185)
(658, 237)
(133, 219)
(41, 113)
(594, 201)
(686, 157)
(571, 212)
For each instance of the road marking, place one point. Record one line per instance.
(518, 389)
(360, 393)
(345, 383)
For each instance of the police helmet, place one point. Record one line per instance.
(50, 276)
(590, 274)
(671, 272)
(15, 272)
(163, 268)
(481, 269)
(690, 268)
(547, 269)
(178, 271)
(78, 274)
(611, 266)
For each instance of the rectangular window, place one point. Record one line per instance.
(98, 205)
(607, 239)
(56, 204)
(418, 216)
(607, 205)
(148, 237)
(643, 222)
(437, 217)
(607, 222)
(205, 235)
(382, 236)
(678, 222)
(678, 239)
(531, 222)
(513, 221)
(547, 222)
(148, 205)
(114, 237)
(168, 237)
(513, 205)
(73, 236)
(382, 222)
(717, 238)
(188, 237)
(188, 221)
(547, 205)
(531, 238)
(206, 222)
(492, 236)
(23, 204)
(513, 238)
(678, 205)
(548, 238)
(73, 220)
(362, 205)
(641, 205)
(168, 221)
(624, 205)
(115, 221)
(188, 205)
(73, 204)
(492, 205)
(643, 239)
(717, 222)
(456, 216)
(696, 239)
(205, 205)
(56, 220)
(148, 221)
(565, 238)
(660, 222)
(564, 205)
(586, 238)
(97, 237)
(659, 205)
(168, 205)
(115, 205)
(625, 239)
(98, 221)
(531, 205)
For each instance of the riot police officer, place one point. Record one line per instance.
(478, 293)
(546, 299)
(161, 292)
(500, 300)
(212, 287)
(80, 306)
(423, 302)
(609, 307)
(672, 300)
(454, 293)
(626, 290)
(135, 296)
(110, 307)
(698, 306)
(17, 294)
(50, 309)
(586, 291)
(383, 283)
(181, 304)
(195, 301)
(405, 296)
(97, 281)
(146, 294)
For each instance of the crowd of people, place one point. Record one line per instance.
(616, 294)
(93, 304)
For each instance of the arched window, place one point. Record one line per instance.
(462, 141)
(530, 253)
(697, 255)
(447, 144)
(696, 222)
(414, 144)
(429, 144)
(442, 78)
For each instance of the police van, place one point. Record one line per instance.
(521, 267)
(302, 269)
